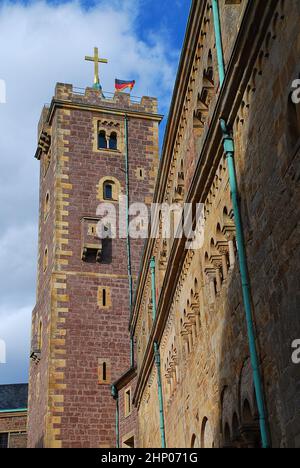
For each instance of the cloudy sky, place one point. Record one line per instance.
(41, 43)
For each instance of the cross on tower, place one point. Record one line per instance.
(96, 61)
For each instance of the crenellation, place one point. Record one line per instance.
(121, 102)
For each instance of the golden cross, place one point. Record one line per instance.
(96, 61)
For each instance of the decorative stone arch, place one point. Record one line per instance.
(229, 232)
(195, 442)
(246, 387)
(210, 273)
(207, 439)
(249, 422)
(210, 66)
(116, 189)
(108, 128)
(227, 409)
(222, 246)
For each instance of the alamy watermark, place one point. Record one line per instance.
(296, 92)
(2, 92)
(296, 353)
(159, 221)
(2, 352)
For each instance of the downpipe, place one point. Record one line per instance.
(228, 144)
(157, 360)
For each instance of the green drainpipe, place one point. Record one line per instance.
(153, 285)
(115, 394)
(128, 236)
(157, 361)
(160, 397)
(228, 144)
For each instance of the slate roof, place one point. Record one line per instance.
(13, 396)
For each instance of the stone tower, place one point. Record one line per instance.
(80, 338)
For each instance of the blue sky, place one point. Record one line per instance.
(142, 40)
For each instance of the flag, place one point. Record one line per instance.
(120, 85)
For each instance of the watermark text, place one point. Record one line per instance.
(2, 92)
(296, 353)
(2, 352)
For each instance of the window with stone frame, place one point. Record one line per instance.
(45, 259)
(113, 141)
(102, 141)
(108, 190)
(127, 403)
(104, 371)
(40, 335)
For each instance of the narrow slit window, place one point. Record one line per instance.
(104, 372)
(47, 206)
(45, 260)
(128, 402)
(40, 335)
(104, 297)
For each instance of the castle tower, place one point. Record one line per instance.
(80, 338)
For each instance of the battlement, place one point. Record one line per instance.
(95, 97)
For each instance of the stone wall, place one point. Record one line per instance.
(15, 426)
(201, 327)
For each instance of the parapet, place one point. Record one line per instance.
(95, 97)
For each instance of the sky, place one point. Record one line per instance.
(41, 43)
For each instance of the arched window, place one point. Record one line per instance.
(247, 413)
(108, 188)
(108, 191)
(113, 141)
(102, 142)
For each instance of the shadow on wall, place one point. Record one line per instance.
(267, 158)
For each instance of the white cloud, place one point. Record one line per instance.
(41, 45)
(15, 333)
